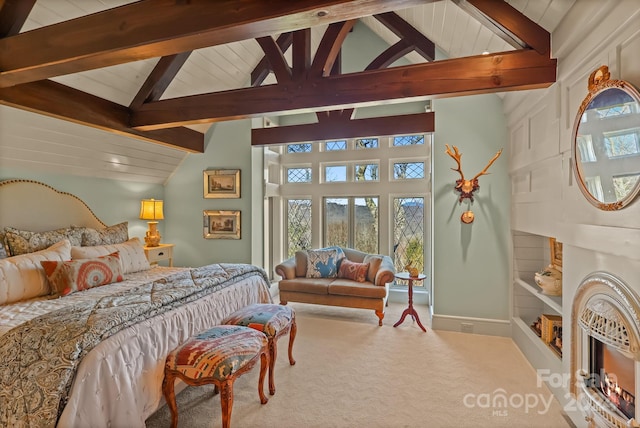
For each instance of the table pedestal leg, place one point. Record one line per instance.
(410, 310)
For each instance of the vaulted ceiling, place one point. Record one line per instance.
(151, 76)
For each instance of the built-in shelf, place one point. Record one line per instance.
(554, 302)
(547, 358)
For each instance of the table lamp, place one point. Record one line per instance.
(151, 209)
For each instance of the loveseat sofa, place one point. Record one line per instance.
(337, 276)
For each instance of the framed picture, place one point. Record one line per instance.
(221, 183)
(221, 224)
(556, 253)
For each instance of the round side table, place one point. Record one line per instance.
(410, 310)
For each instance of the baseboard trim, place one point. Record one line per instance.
(487, 326)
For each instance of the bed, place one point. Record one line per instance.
(95, 357)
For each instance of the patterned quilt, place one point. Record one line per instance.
(40, 357)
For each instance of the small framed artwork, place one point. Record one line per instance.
(221, 183)
(556, 253)
(221, 224)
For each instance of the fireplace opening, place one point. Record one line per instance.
(615, 380)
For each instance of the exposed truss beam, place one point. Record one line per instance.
(13, 14)
(509, 24)
(159, 79)
(408, 34)
(514, 70)
(355, 128)
(329, 48)
(276, 58)
(262, 70)
(56, 100)
(129, 33)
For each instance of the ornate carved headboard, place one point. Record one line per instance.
(38, 207)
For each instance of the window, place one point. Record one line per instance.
(366, 172)
(335, 145)
(371, 194)
(299, 148)
(408, 233)
(335, 173)
(298, 225)
(408, 140)
(352, 222)
(366, 143)
(298, 175)
(408, 170)
(621, 144)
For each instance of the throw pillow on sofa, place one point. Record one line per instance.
(322, 263)
(352, 270)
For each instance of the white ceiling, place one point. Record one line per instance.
(28, 140)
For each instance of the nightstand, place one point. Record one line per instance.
(161, 252)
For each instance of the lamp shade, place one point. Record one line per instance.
(151, 209)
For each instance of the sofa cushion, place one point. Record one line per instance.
(374, 262)
(353, 270)
(347, 287)
(306, 285)
(322, 263)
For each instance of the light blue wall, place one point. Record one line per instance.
(228, 146)
(471, 262)
(112, 201)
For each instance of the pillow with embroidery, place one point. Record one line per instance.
(352, 270)
(322, 263)
(109, 235)
(25, 241)
(76, 275)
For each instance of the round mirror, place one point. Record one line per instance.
(606, 142)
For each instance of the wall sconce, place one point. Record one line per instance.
(151, 209)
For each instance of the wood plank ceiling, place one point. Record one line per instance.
(138, 79)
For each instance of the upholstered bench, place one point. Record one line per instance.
(274, 321)
(219, 356)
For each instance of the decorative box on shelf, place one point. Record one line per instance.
(551, 332)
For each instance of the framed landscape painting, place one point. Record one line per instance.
(221, 183)
(221, 224)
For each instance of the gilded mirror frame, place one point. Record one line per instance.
(599, 83)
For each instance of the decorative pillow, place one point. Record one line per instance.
(374, 261)
(132, 257)
(76, 275)
(115, 234)
(352, 270)
(24, 241)
(4, 252)
(322, 263)
(22, 277)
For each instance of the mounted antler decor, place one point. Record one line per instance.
(467, 187)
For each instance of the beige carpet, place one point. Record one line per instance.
(352, 373)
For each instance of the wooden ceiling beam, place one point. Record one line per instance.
(13, 15)
(506, 71)
(329, 48)
(301, 54)
(262, 70)
(355, 128)
(408, 34)
(62, 102)
(276, 58)
(159, 79)
(508, 23)
(155, 28)
(390, 55)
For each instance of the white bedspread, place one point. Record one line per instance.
(119, 383)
